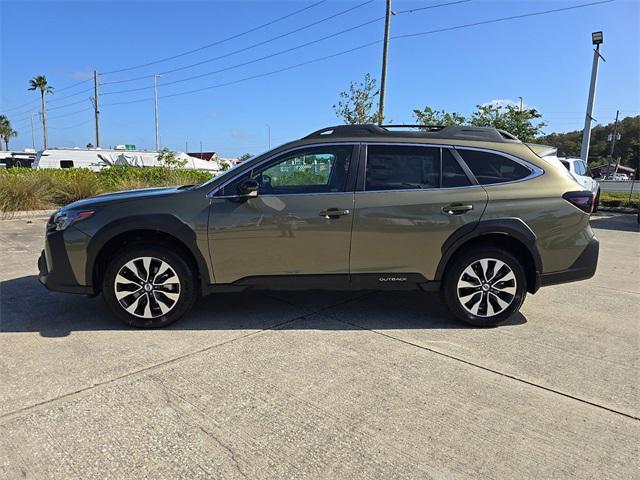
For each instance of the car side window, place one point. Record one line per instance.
(452, 173)
(401, 167)
(582, 168)
(490, 168)
(309, 170)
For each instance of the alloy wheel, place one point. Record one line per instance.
(486, 287)
(147, 287)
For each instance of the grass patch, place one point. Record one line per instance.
(27, 189)
(619, 199)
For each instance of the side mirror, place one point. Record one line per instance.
(248, 188)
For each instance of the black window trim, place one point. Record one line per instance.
(364, 154)
(534, 170)
(349, 186)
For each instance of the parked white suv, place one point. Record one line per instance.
(580, 171)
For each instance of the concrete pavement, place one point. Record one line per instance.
(322, 384)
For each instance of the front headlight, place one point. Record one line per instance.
(66, 218)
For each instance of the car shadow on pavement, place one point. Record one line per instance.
(621, 222)
(26, 306)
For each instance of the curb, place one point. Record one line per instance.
(618, 210)
(26, 214)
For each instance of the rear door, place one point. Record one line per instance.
(409, 200)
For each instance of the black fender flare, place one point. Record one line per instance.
(509, 226)
(161, 223)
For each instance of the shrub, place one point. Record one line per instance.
(27, 189)
(23, 192)
(619, 199)
(75, 184)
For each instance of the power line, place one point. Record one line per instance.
(252, 77)
(218, 42)
(52, 100)
(344, 52)
(411, 10)
(70, 114)
(503, 19)
(67, 105)
(71, 126)
(249, 62)
(249, 47)
(266, 57)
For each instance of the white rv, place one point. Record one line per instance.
(97, 159)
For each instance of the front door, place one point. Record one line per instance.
(298, 224)
(411, 198)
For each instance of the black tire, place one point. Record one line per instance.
(161, 306)
(499, 291)
(596, 202)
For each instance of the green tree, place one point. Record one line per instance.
(359, 104)
(520, 123)
(244, 156)
(167, 158)
(523, 124)
(429, 116)
(39, 82)
(6, 131)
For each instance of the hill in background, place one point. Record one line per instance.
(627, 148)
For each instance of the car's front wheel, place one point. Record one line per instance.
(484, 287)
(149, 286)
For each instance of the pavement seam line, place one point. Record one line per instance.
(497, 372)
(7, 417)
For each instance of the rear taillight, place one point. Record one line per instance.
(583, 200)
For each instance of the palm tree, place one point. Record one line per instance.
(39, 82)
(6, 132)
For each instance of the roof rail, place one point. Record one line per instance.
(454, 132)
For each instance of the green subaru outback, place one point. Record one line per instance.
(470, 212)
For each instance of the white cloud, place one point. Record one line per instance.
(502, 102)
(81, 74)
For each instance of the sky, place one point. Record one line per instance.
(545, 59)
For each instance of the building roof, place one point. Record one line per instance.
(203, 155)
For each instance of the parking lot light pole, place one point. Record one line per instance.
(596, 39)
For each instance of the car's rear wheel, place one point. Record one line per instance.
(484, 287)
(149, 286)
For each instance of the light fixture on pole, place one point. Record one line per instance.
(596, 39)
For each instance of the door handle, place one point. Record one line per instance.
(456, 209)
(333, 213)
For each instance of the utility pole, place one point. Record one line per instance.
(155, 109)
(385, 53)
(613, 144)
(33, 133)
(520, 104)
(96, 109)
(596, 39)
(269, 135)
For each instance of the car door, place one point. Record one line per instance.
(409, 200)
(298, 224)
